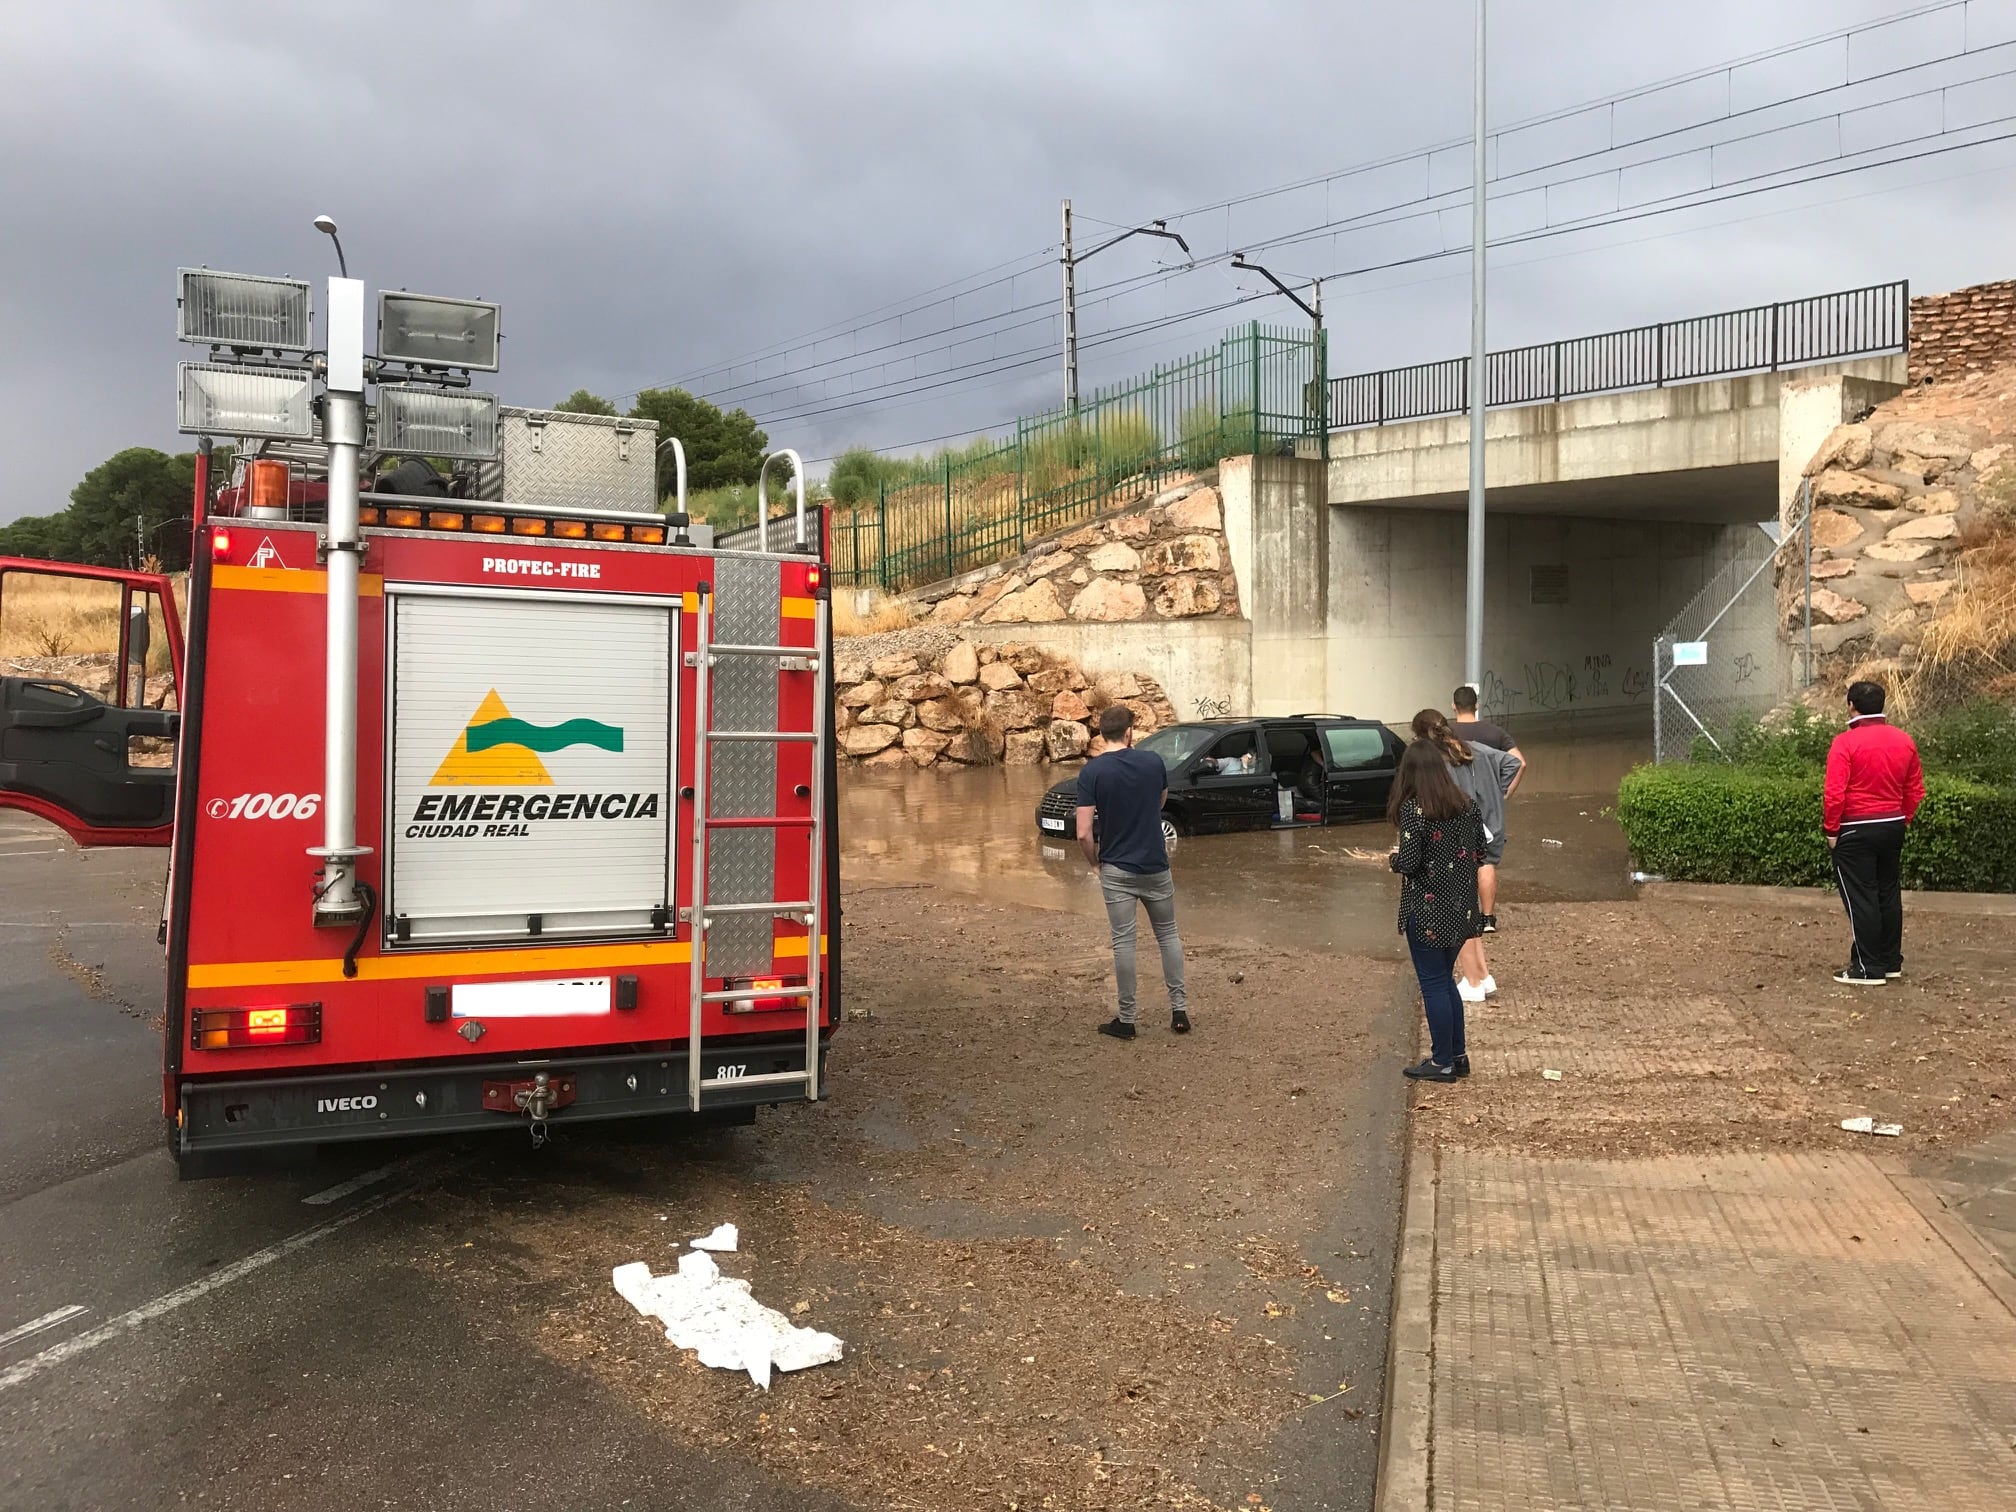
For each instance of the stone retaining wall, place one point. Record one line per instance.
(978, 705)
(1163, 559)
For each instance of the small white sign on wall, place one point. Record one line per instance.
(1690, 653)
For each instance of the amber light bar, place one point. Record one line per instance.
(557, 527)
(250, 1028)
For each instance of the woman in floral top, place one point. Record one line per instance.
(1441, 834)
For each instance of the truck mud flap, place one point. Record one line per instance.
(311, 1109)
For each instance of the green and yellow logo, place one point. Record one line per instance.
(496, 749)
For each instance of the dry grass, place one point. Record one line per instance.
(1969, 648)
(883, 614)
(46, 616)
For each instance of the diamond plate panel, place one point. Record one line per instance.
(742, 864)
(557, 460)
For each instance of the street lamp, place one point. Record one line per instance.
(1153, 228)
(327, 226)
(1313, 308)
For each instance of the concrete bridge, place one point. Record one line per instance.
(1606, 515)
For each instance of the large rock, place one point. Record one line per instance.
(847, 673)
(1108, 601)
(961, 664)
(1134, 527)
(981, 747)
(1188, 553)
(1956, 443)
(1066, 741)
(1024, 748)
(1079, 539)
(1925, 469)
(994, 592)
(1067, 705)
(1940, 501)
(889, 668)
(1029, 660)
(893, 757)
(1043, 566)
(919, 686)
(1037, 605)
(1832, 567)
(1016, 709)
(1928, 592)
(1899, 551)
(866, 740)
(972, 703)
(862, 694)
(1148, 715)
(1050, 681)
(924, 746)
(892, 711)
(1113, 557)
(1833, 528)
(1929, 528)
(1830, 608)
(1199, 511)
(955, 610)
(1835, 488)
(998, 675)
(940, 714)
(1985, 460)
(1187, 596)
(1846, 446)
(1118, 685)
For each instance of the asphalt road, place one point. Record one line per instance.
(237, 1343)
(319, 1334)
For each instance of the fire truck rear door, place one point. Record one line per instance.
(531, 783)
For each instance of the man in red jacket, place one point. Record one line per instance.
(1874, 787)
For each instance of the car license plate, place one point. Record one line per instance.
(1055, 826)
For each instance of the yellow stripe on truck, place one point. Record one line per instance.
(459, 964)
(286, 580)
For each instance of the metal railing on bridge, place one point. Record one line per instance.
(1764, 338)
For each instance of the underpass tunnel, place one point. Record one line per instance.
(1580, 577)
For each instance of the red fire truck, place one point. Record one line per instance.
(504, 799)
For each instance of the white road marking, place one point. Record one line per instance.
(47, 1320)
(343, 1189)
(168, 1302)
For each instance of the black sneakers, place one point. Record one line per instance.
(1853, 978)
(1117, 1028)
(1427, 1070)
(1462, 1064)
(1179, 1021)
(1490, 923)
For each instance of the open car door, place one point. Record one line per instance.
(90, 681)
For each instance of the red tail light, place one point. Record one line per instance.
(220, 545)
(247, 1028)
(815, 577)
(790, 995)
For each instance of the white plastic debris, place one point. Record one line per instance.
(1550, 1074)
(722, 1241)
(715, 1317)
(1868, 1125)
(1553, 842)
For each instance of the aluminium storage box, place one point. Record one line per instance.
(556, 460)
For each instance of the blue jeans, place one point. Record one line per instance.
(1435, 966)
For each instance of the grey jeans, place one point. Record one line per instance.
(1157, 893)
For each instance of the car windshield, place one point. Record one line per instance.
(1177, 744)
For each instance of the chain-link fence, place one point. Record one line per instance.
(1742, 647)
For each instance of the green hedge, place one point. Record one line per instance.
(1716, 823)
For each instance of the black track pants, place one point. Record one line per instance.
(1866, 867)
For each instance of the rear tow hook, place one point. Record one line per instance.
(538, 1099)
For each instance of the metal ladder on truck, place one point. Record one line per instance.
(701, 913)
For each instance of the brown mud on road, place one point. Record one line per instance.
(1691, 1027)
(1070, 1273)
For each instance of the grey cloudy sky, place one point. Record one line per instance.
(651, 188)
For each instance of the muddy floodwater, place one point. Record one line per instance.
(974, 830)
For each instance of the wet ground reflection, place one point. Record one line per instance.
(973, 830)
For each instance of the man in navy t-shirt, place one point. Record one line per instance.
(1124, 789)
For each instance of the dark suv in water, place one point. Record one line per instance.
(1233, 774)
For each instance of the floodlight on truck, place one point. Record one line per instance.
(427, 331)
(242, 310)
(229, 401)
(423, 422)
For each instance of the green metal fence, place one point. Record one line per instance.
(1259, 389)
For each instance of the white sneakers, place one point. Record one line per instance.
(1471, 993)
